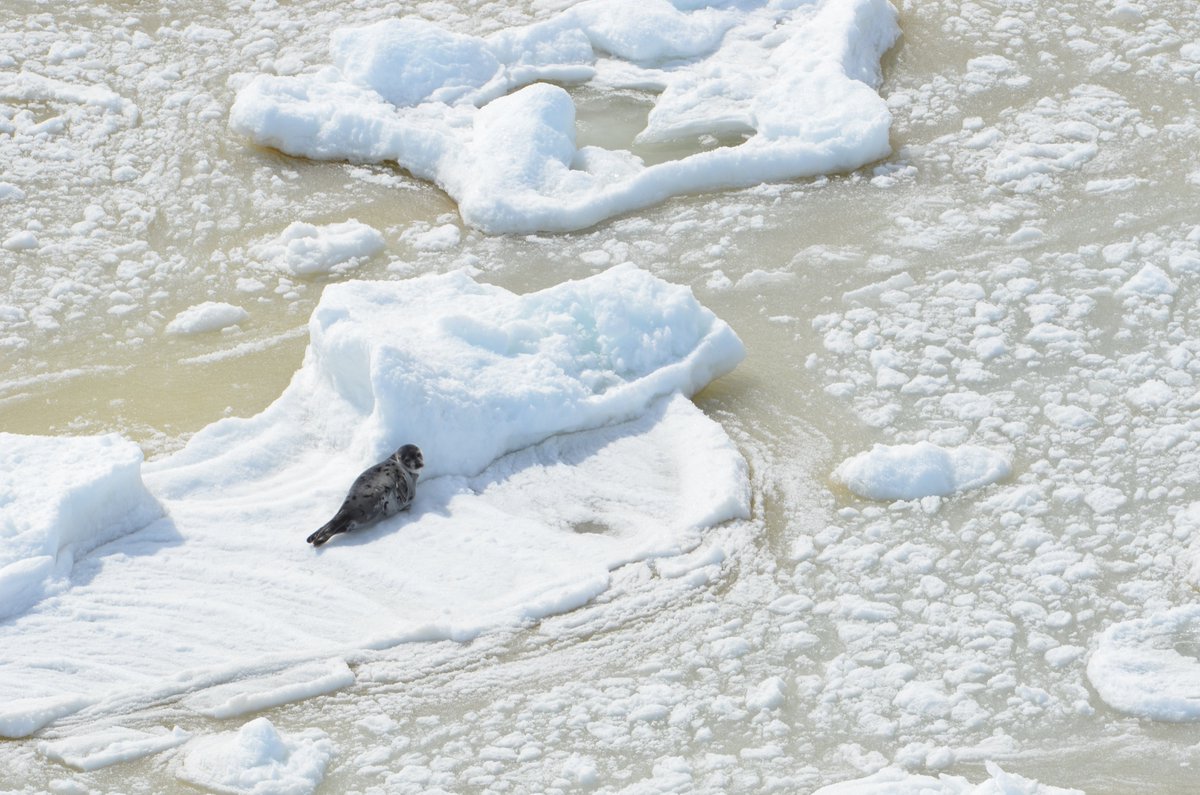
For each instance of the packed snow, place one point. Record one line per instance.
(559, 445)
(795, 81)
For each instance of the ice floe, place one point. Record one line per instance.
(796, 81)
(559, 446)
(1150, 667)
(912, 471)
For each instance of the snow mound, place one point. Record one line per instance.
(110, 746)
(258, 760)
(797, 81)
(893, 781)
(306, 249)
(1150, 667)
(468, 372)
(60, 498)
(912, 471)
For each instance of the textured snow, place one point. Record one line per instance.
(797, 81)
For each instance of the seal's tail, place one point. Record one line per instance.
(337, 524)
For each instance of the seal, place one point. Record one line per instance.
(384, 490)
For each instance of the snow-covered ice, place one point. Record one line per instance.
(559, 446)
(107, 747)
(796, 80)
(912, 471)
(60, 498)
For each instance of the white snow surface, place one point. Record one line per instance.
(559, 445)
(913, 471)
(61, 497)
(258, 760)
(796, 80)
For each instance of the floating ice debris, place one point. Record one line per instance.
(465, 112)
(306, 249)
(208, 316)
(912, 471)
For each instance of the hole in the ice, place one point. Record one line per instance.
(590, 528)
(613, 119)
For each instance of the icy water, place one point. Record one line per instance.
(986, 284)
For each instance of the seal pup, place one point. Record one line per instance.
(381, 491)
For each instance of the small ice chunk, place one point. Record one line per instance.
(768, 694)
(208, 316)
(258, 760)
(20, 241)
(912, 471)
(305, 249)
(1149, 281)
(1105, 499)
(110, 746)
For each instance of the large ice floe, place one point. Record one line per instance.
(559, 443)
(793, 82)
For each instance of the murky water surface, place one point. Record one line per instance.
(1044, 153)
